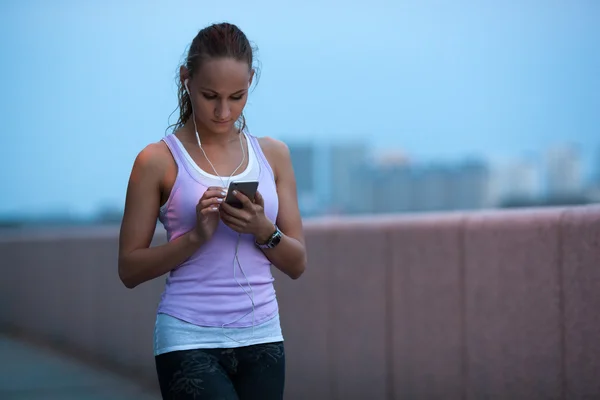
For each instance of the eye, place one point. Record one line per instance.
(209, 96)
(236, 98)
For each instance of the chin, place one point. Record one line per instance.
(222, 128)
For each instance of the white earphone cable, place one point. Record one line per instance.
(235, 258)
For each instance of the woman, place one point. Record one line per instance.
(217, 333)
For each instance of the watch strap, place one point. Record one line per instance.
(273, 240)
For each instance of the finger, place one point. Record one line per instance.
(232, 222)
(258, 199)
(214, 201)
(216, 189)
(243, 198)
(234, 227)
(233, 211)
(229, 219)
(241, 218)
(209, 210)
(214, 192)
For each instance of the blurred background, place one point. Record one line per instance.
(387, 106)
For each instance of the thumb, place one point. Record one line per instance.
(258, 199)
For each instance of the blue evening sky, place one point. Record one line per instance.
(86, 85)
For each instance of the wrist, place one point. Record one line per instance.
(265, 232)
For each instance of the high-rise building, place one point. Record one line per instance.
(432, 188)
(344, 163)
(596, 167)
(388, 189)
(303, 157)
(564, 172)
(394, 185)
(471, 188)
(303, 162)
(593, 191)
(447, 187)
(520, 180)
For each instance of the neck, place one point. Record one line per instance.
(207, 137)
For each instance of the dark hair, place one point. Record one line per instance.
(222, 40)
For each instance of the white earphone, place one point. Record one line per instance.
(235, 258)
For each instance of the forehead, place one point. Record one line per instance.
(223, 75)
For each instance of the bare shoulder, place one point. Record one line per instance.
(155, 157)
(274, 149)
(277, 154)
(273, 146)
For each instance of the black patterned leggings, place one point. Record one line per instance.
(244, 373)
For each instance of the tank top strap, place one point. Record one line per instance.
(178, 156)
(260, 155)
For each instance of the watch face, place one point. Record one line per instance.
(276, 239)
(273, 240)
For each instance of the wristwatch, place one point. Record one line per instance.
(273, 240)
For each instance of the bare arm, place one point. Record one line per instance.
(289, 255)
(138, 262)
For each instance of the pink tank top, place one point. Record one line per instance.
(210, 289)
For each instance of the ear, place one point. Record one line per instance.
(184, 74)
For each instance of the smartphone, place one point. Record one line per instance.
(247, 187)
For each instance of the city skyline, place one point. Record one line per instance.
(412, 185)
(400, 183)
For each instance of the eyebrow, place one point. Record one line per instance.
(210, 90)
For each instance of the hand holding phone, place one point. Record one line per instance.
(249, 219)
(248, 188)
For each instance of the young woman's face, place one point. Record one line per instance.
(219, 92)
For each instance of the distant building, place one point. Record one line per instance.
(387, 189)
(344, 163)
(432, 188)
(519, 180)
(303, 157)
(397, 187)
(449, 187)
(470, 186)
(596, 167)
(303, 162)
(564, 172)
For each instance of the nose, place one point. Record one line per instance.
(223, 111)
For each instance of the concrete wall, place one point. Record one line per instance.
(492, 305)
